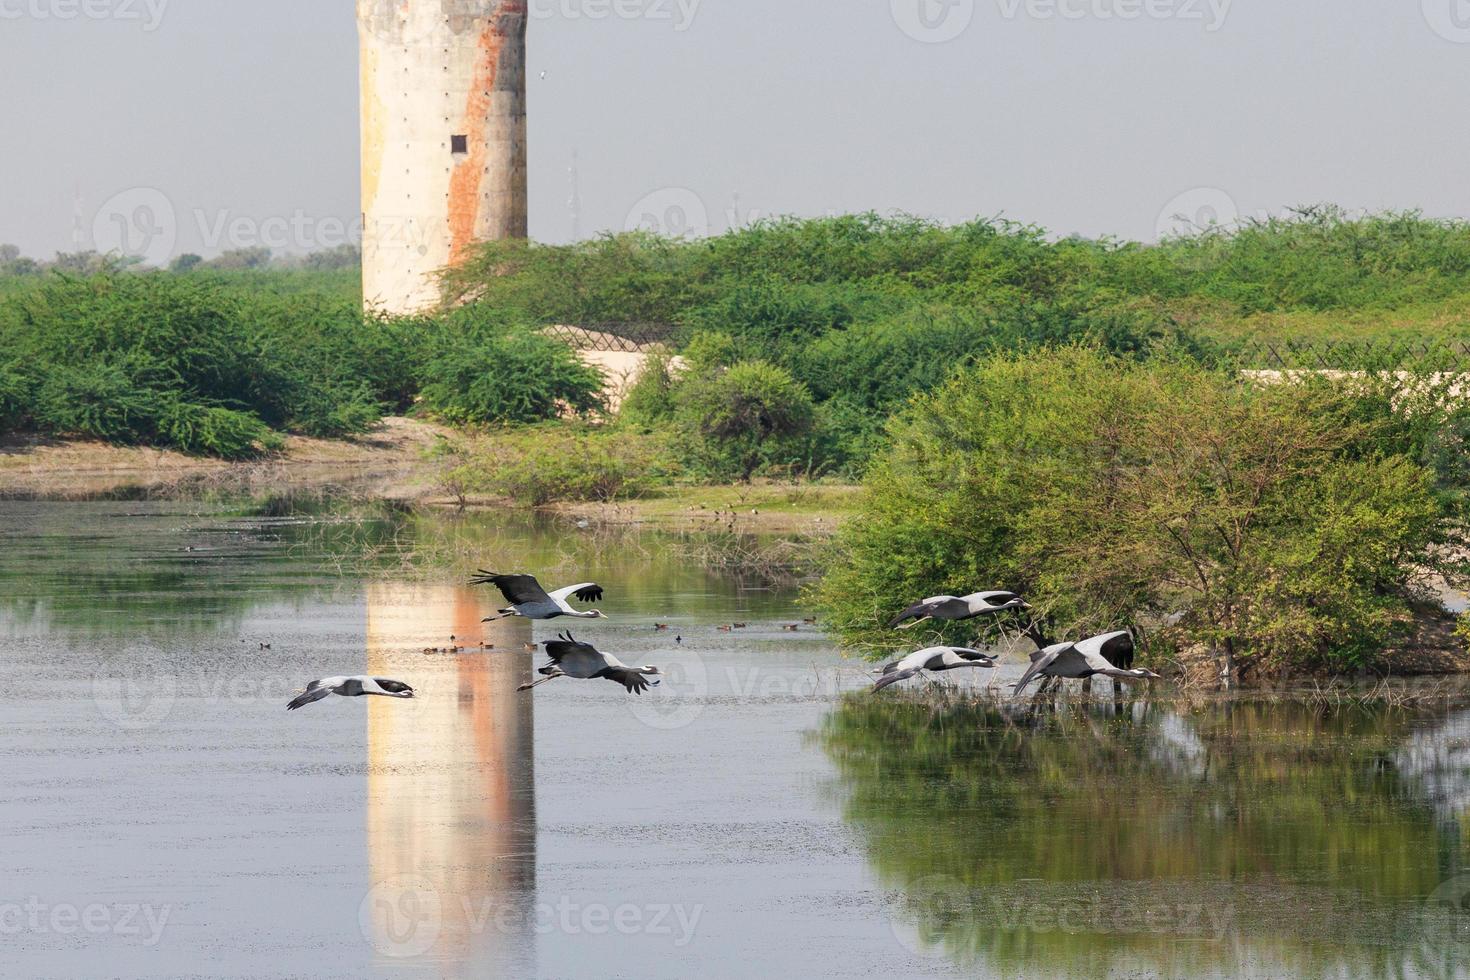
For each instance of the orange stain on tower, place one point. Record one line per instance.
(443, 140)
(465, 184)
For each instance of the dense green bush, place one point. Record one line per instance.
(649, 401)
(734, 421)
(216, 361)
(482, 367)
(165, 360)
(1283, 524)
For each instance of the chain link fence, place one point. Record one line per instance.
(1351, 355)
(624, 338)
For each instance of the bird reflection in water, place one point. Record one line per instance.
(451, 786)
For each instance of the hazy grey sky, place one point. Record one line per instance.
(237, 121)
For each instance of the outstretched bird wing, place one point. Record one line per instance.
(635, 682)
(1040, 662)
(894, 678)
(518, 590)
(315, 691)
(586, 592)
(931, 607)
(566, 649)
(1103, 652)
(972, 656)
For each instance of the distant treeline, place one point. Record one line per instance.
(799, 338)
(14, 265)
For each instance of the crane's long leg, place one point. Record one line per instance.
(548, 677)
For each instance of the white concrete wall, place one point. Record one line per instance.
(433, 69)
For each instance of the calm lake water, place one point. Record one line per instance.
(165, 815)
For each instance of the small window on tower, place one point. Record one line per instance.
(459, 144)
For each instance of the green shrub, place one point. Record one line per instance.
(650, 399)
(199, 362)
(548, 464)
(1283, 524)
(738, 420)
(219, 432)
(483, 367)
(99, 400)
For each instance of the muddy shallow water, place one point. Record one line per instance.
(166, 816)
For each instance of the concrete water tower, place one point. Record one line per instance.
(443, 139)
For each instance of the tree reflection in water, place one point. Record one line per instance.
(1242, 838)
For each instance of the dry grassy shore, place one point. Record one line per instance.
(394, 461)
(387, 459)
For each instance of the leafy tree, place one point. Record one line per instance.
(738, 419)
(1279, 525)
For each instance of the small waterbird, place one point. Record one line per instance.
(959, 607)
(529, 600)
(1084, 659)
(932, 659)
(583, 661)
(350, 687)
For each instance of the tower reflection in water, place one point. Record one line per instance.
(451, 813)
